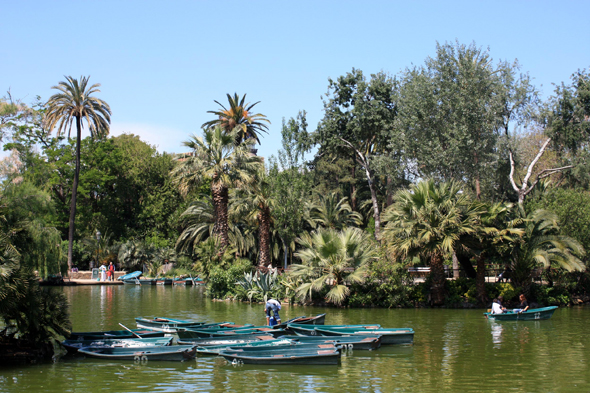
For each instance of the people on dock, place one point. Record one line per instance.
(523, 306)
(111, 271)
(497, 307)
(275, 306)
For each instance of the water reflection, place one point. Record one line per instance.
(496, 329)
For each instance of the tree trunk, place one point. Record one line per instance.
(221, 228)
(352, 185)
(437, 275)
(455, 266)
(465, 263)
(74, 196)
(264, 236)
(376, 215)
(480, 280)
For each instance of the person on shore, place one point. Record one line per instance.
(523, 306)
(103, 272)
(497, 307)
(275, 306)
(111, 272)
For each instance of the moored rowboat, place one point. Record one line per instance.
(388, 336)
(72, 346)
(316, 357)
(115, 334)
(366, 342)
(167, 325)
(143, 354)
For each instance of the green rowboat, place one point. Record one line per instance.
(533, 314)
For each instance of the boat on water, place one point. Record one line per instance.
(308, 357)
(72, 346)
(247, 330)
(130, 276)
(533, 314)
(270, 346)
(139, 281)
(168, 325)
(364, 342)
(215, 349)
(388, 336)
(309, 330)
(223, 340)
(164, 281)
(133, 333)
(316, 320)
(143, 354)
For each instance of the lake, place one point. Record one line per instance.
(453, 351)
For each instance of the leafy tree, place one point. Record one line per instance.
(358, 120)
(332, 260)
(240, 116)
(429, 219)
(451, 113)
(76, 103)
(215, 158)
(331, 212)
(542, 245)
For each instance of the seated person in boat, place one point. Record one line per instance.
(275, 306)
(523, 306)
(497, 307)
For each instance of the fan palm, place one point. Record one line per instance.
(330, 212)
(215, 158)
(542, 245)
(255, 202)
(239, 115)
(429, 219)
(332, 259)
(75, 103)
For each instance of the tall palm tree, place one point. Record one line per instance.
(217, 159)
(332, 259)
(239, 115)
(256, 202)
(331, 212)
(429, 219)
(75, 103)
(542, 245)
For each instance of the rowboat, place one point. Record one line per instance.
(311, 357)
(164, 281)
(143, 354)
(225, 332)
(115, 334)
(130, 276)
(215, 349)
(138, 281)
(388, 336)
(317, 320)
(532, 314)
(353, 341)
(167, 325)
(268, 347)
(223, 340)
(309, 330)
(72, 346)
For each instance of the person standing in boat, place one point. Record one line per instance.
(523, 306)
(275, 306)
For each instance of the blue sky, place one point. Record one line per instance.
(161, 64)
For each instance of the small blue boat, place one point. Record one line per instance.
(130, 276)
(72, 346)
(533, 314)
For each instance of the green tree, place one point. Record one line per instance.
(215, 158)
(75, 103)
(331, 212)
(429, 219)
(332, 260)
(239, 115)
(543, 246)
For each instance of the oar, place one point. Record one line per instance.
(129, 330)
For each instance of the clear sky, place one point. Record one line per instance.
(162, 63)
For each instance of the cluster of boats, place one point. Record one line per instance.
(301, 340)
(135, 279)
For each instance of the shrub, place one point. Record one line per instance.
(221, 282)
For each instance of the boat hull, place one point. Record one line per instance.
(166, 325)
(230, 339)
(388, 336)
(143, 354)
(534, 314)
(115, 334)
(73, 346)
(327, 357)
(354, 342)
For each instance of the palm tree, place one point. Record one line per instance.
(429, 219)
(75, 103)
(329, 212)
(239, 115)
(256, 202)
(542, 245)
(215, 158)
(332, 259)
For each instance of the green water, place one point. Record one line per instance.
(454, 350)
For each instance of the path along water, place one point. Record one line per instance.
(454, 351)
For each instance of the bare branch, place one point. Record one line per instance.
(537, 158)
(512, 172)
